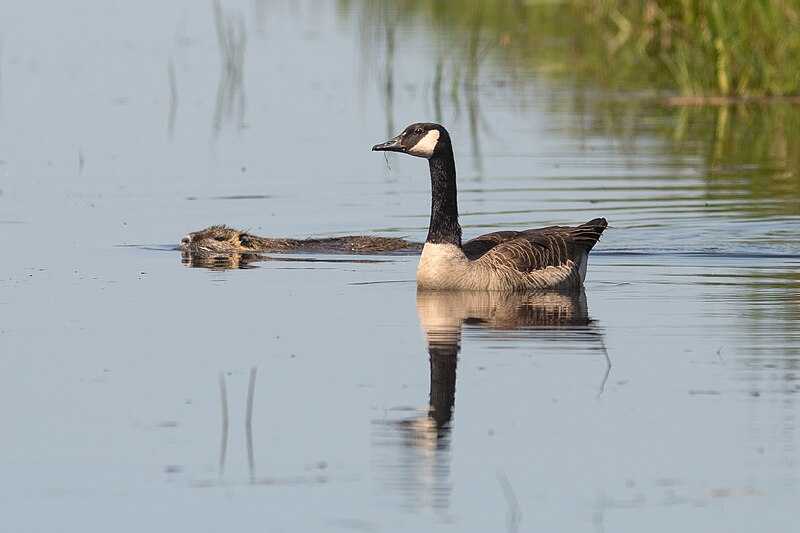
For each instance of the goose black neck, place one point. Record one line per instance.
(444, 227)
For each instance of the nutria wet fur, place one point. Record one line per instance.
(224, 239)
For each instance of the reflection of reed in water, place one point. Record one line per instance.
(231, 38)
(423, 472)
(456, 75)
(173, 97)
(248, 424)
(379, 24)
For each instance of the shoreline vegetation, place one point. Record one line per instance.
(715, 50)
(724, 71)
(694, 51)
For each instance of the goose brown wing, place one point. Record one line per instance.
(478, 246)
(540, 248)
(530, 252)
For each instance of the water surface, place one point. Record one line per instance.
(141, 394)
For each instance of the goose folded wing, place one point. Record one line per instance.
(531, 252)
(478, 246)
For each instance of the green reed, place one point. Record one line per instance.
(626, 59)
(695, 48)
(728, 48)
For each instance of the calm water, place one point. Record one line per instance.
(137, 394)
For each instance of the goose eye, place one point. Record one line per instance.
(418, 131)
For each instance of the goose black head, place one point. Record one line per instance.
(423, 139)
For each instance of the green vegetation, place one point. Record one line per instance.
(738, 48)
(698, 49)
(748, 151)
(633, 66)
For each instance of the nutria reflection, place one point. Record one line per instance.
(221, 261)
(240, 261)
(227, 240)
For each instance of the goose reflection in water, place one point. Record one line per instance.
(544, 315)
(551, 321)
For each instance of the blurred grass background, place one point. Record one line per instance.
(698, 49)
(725, 72)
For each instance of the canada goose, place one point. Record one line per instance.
(224, 239)
(547, 258)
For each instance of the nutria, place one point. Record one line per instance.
(224, 239)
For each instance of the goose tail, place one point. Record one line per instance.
(598, 223)
(589, 233)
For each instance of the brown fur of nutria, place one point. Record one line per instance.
(228, 240)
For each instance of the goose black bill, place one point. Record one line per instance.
(392, 145)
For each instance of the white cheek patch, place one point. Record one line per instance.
(426, 145)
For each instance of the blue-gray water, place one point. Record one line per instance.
(662, 399)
